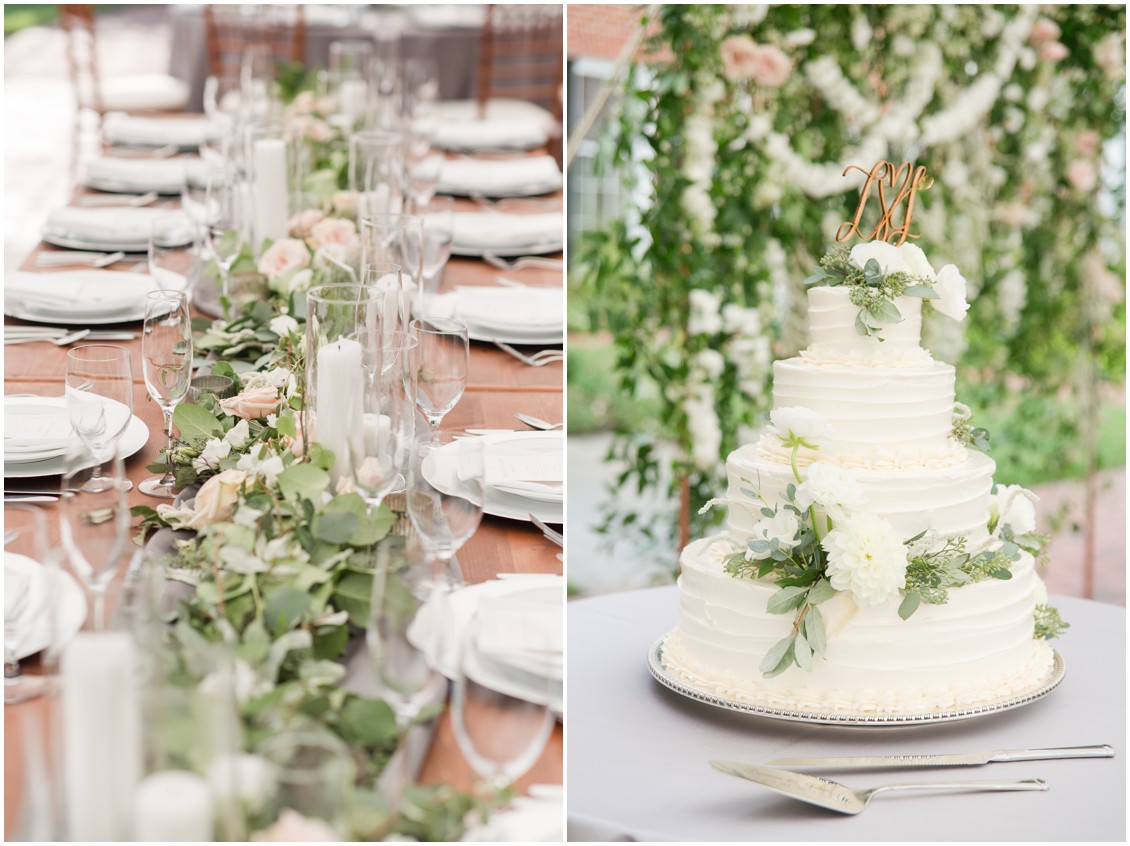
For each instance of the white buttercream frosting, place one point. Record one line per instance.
(831, 324)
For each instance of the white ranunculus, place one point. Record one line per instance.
(801, 424)
(283, 325)
(866, 558)
(916, 261)
(238, 435)
(832, 488)
(247, 777)
(889, 257)
(951, 290)
(783, 526)
(209, 458)
(1014, 506)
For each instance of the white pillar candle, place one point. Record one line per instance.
(353, 95)
(269, 167)
(338, 405)
(174, 805)
(101, 735)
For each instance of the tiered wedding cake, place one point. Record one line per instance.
(867, 565)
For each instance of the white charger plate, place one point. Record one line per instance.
(539, 248)
(445, 305)
(139, 186)
(61, 238)
(80, 312)
(532, 189)
(133, 439)
(441, 469)
(70, 604)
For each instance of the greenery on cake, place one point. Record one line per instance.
(1049, 624)
(877, 273)
(965, 433)
(811, 556)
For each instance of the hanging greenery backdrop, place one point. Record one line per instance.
(738, 131)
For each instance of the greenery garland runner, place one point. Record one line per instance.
(278, 567)
(736, 126)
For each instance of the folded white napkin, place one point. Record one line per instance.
(498, 108)
(163, 175)
(490, 134)
(534, 818)
(111, 225)
(514, 624)
(93, 293)
(15, 586)
(29, 428)
(500, 177)
(535, 309)
(495, 230)
(121, 128)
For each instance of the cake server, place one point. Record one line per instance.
(967, 759)
(845, 800)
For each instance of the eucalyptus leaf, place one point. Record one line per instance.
(802, 653)
(909, 604)
(923, 291)
(770, 664)
(195, 424)
(822, 591)
(367, 722)
(303, 481)
(786, 599)
(284, 609)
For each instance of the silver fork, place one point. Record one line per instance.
(538, 359)
(61, 341)
(523, 262)
(551, 535)
(537, 422)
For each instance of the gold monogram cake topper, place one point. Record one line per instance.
(906, 180)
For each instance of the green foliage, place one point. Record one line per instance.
(1049, 624)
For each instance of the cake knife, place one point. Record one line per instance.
(969, 759)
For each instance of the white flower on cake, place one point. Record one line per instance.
(832, 488)
(1013, 506)
(951, 289)
(782, 527)
(916, 262)
(866, 558)
(888, 256)
(799, 425)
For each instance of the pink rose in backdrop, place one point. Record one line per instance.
(283, 256)
(1082, 175)
(333, 231)
(301, 224)
(1088, 143)
(253, 404)
(1043, 31)
(1053, 51)
(764, 64)
(1110, 56)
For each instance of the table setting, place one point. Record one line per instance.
(269, 404)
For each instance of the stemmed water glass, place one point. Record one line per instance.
(500, 732)
(28, 596)
(386, 284)
(166, 362)
(225, 225)
(377, 171)
(442, 359)
(99, 401)
(444, 517)
(174, 253)
(438, 216)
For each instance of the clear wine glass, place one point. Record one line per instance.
(174, 253)
(99, 401)
(444, 517)
(391, 301)
(377, 171)
(166, 362)
(438, 215)
(501, 728)
(403, 676)
(442, 359)
(95, 528)
(226, 227)
(312, 773)
(396, 239)
(29, 574)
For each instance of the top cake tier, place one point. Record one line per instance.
(835, 339)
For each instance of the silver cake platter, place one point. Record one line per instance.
(668, 679)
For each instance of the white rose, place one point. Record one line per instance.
(704, 317)
(301, 224)
(1013, 506)
(833, 488)
(238, 435)
(711, 363)
(888, 256)
(951, 289)
(345, 202)
(336, 232)
(802, 424)
(782, 526)
(283, 325)
(916, 262)
(291, 826)
(800, 38)
(247, 777)
(215, 501)
(209, 458)
(284, 256)
(866, 557)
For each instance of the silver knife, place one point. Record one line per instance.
(969, 759)
(25, 498)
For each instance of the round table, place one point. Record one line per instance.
(638, 752)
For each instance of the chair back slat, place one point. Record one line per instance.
(231, 31)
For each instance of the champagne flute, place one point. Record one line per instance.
(438, 216)
(225, 227)
(166, 362)
(444, 518)
(441, 363)
(99, 401)
(500, 730)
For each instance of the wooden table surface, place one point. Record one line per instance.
(498, 386)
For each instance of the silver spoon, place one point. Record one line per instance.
(838, 797)
(537, 422)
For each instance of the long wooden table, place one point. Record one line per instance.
(498, 387)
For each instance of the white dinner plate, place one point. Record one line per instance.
(540, 248)
(70, 241)
(441, 468)
(531, 189)
(48, 416)
(133, 439)
(70, 604)
(447, 305)
(81, 297)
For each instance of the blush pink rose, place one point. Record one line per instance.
(763, 64)
(1087, 143)
(301, 224)
(283, 256)
(1082, 175)
(1053, 51)
(1043, 31)
(303, 103)
(335, 232)
(253, 404)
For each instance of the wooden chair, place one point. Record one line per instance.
(133, 93)
(233, 30)
(522, 57)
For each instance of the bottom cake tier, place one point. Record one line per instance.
(977, 648)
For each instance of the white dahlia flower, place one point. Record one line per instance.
(866, 558)
(833, 488)
(797, 424)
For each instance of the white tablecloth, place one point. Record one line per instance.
(638, 752)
